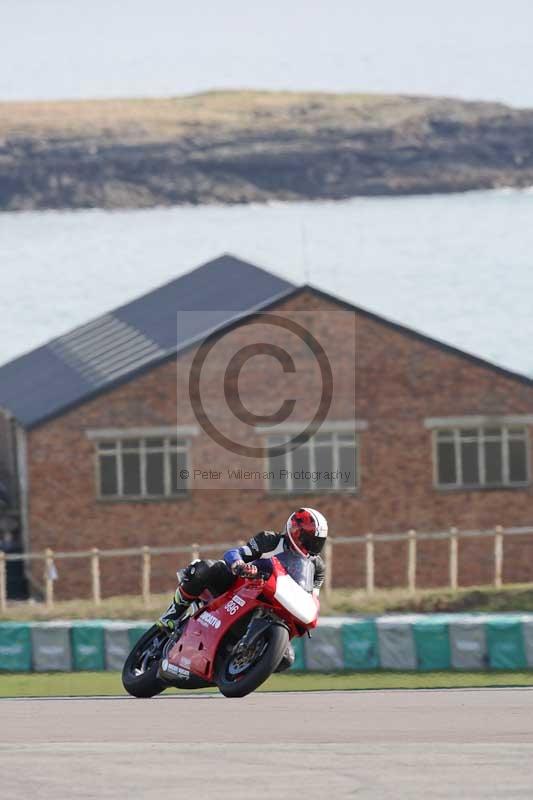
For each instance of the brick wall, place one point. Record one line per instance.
(399, 381)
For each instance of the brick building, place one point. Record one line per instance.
(102, 446)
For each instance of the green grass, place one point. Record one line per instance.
(515, 597)
(86, 684)
(518, 597)
(162, 118)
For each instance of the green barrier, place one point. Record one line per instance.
(396, 642)
(15, 647)
(436, 642)
(88, 649)
(299, 652)
(135, 633)
(360, 645)
(323, 652)
(432, 644)
(51, 646)
(505, 643)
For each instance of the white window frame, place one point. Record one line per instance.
(336, 431)
(454, 427)
(117, 437)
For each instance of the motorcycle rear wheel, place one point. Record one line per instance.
(139, 674)
(238, 684)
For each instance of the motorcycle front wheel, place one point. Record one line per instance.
(139, 673)
(242, 671)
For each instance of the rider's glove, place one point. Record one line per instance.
(244, 570)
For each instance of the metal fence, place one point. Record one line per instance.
(366, 543)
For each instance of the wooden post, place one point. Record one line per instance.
(498, 556)
(3, 581)
(454, 558)
(370, 586)
(328, 580)
(146, 574)
(49, 578)
(95, 576)
(195, 552)
(411, 561)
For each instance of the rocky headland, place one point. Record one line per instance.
(242, 146)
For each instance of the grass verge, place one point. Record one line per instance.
(517, 597)
(87, 684)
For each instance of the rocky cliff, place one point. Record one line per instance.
(237, 147)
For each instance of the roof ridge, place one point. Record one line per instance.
(415, 333)
(109, 313)
(115, 346)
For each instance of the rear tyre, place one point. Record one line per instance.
(237, 677)
(139, 673)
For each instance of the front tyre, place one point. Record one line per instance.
(139, 673)
(241, 672)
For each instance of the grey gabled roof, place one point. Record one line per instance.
(117, 345)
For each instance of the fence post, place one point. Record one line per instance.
(369, 547)
(454, 558)
(146, 574)
(328, 580)
(498, 556)
(49, 577)
(195, 552)
(3, 581)
(95, 576)
(411, 561)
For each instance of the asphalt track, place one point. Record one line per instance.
(384, 745)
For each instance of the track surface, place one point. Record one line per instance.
(387, 745)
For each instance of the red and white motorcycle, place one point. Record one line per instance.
(234, 641)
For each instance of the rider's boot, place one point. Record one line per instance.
(175, 611)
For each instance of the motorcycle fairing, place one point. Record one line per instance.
(297, 601)
(195, 652)
(200, 641)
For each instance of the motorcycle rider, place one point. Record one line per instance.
(305, 533)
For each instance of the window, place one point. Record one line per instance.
(326, 462)
(142, 467)
(481, 456)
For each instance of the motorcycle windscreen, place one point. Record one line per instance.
(292, 590)
(301, 570)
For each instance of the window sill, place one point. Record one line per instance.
(518, 487)
(310, 492)
(143, 500)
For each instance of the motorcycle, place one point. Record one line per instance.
(234, 641)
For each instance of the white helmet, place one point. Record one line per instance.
(307, 531)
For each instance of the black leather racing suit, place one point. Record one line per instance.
(217, 577)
